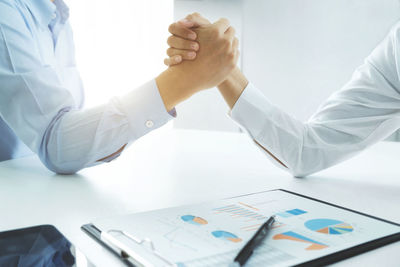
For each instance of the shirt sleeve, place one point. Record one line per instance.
(44, 115)
(365, 111)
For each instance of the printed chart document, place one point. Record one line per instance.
(211, 234)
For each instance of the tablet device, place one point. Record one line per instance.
(41, 245)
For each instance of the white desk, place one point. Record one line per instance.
(169, 168)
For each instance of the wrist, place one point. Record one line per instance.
(233, 87)
(172, 87)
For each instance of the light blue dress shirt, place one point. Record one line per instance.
(41, 94)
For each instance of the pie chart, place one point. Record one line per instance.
(329, 226)
(195, 220)
(292, 236)
(226, 236)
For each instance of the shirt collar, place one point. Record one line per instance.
(44, 10)
(63, 10)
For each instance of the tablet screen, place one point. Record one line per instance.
(40, 245)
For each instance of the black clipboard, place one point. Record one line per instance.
(353, 251)
(335, 257)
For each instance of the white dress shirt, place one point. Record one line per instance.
(41, 94)
(365, 111)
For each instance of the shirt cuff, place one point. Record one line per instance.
(145, 109)
(253, 112)
(250, 109)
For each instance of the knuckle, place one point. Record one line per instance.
(230, 59)
(232, 64)
(225, 42)
(214, 32)
(166, 61)
(171, 27)
(180, 43)
(184, 44)
(231, 56)
(226, 21)
(170, 51)
(196, 14)
(170, 40)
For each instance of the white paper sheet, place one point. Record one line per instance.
(211, 234)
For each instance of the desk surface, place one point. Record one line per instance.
(176, 167)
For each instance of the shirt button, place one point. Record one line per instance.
(54, 16)
(149, 124)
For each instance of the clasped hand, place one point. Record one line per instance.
(202, 55)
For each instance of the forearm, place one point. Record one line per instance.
(173, 87)
(83, 138)
(231, 89)
(233, 86)
(284, 139)
(364, 112)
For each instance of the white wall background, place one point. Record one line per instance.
(300, 51)
(296, 51)
(120, 44)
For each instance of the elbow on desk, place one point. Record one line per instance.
(53, 155)
(298, 170)
(303, 167)
(53, 164)
(307, 164)
(59, 167)
(300, 173)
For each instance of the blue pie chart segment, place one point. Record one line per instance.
(224, 235)
(329, 226)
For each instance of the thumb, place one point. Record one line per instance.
(194, 20)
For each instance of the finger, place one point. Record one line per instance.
(235, 49)
(181, 30)
(173, 60)
(195, 20)
(186, 23)
(237, 55)
(222, 25)
(180, 43)
(185, 54)
(230, 33)
(235, 44)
